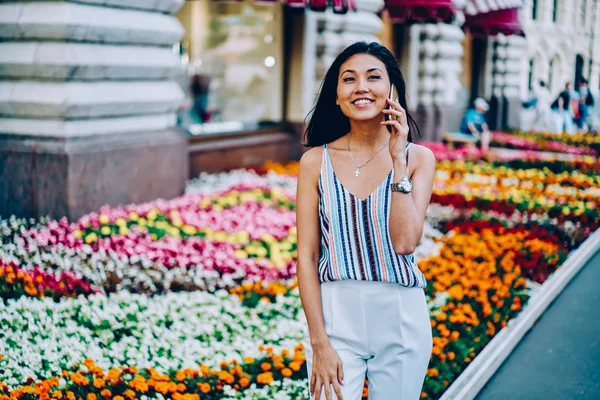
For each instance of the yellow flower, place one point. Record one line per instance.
(103, 219)
(241, 254)
(189, 230)
(91, 238)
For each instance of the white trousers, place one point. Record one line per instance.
(381, 331)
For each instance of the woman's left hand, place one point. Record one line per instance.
(399, 124)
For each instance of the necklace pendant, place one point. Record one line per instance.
(357, 172)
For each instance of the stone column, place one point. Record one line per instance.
(87, 105)
(595, 72)
(507, 52)
(439, 69)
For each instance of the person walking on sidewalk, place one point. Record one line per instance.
(363, 192)
(543, 117)
(586, 99)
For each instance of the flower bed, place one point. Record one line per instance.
(538, 143)
(195, 297)
(577, 140)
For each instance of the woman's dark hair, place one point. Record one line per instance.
(328, 122)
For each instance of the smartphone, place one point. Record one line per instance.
(393, 96)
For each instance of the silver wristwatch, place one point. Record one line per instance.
(404, 186)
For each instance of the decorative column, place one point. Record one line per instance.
(506, 54)
(87, 105)
(439, 68)
(595, 72)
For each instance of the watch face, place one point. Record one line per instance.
(406, 184)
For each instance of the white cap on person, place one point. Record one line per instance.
(482, 104)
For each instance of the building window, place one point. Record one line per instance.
(534, 9)
(583, 12)
(234, 57)
(555, 11)
(530, 79)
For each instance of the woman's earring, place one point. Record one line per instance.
(337, 102)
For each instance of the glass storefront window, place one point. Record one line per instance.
(233, 52)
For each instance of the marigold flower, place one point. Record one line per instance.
(295, 366)
(99, 383)
(265, 378)
(265, 366)
(244, 382)
(204, 387)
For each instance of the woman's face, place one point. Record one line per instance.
(363, 87)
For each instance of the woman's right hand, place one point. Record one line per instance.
(326, 372)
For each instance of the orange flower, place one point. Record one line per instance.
(99, 383)
(286, 372)
(265, 366)
(265, 378)
(106, 393)
(92, 396)
(244, 382)
(295, 366)
(130, 394)
(204, 387)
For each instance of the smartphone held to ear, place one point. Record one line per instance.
(392, 96)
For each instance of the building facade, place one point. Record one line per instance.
(92, 92)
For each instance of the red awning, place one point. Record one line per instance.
(420, 10)
(492, 23)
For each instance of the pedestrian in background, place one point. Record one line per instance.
(564, 107)
(361, 288)
(474, 123)
(543, 112)
(586, 99)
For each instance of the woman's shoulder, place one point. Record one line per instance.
(421, 154)
(310, 161)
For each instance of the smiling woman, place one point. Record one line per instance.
(360, 286)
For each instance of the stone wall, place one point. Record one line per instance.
(87, 105)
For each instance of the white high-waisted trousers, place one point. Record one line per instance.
(380, 330)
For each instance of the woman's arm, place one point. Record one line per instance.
(408, 210)
(307, 222)
(327, 369)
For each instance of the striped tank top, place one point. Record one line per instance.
(355, 239)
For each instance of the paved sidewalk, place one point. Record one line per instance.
(560, 357)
